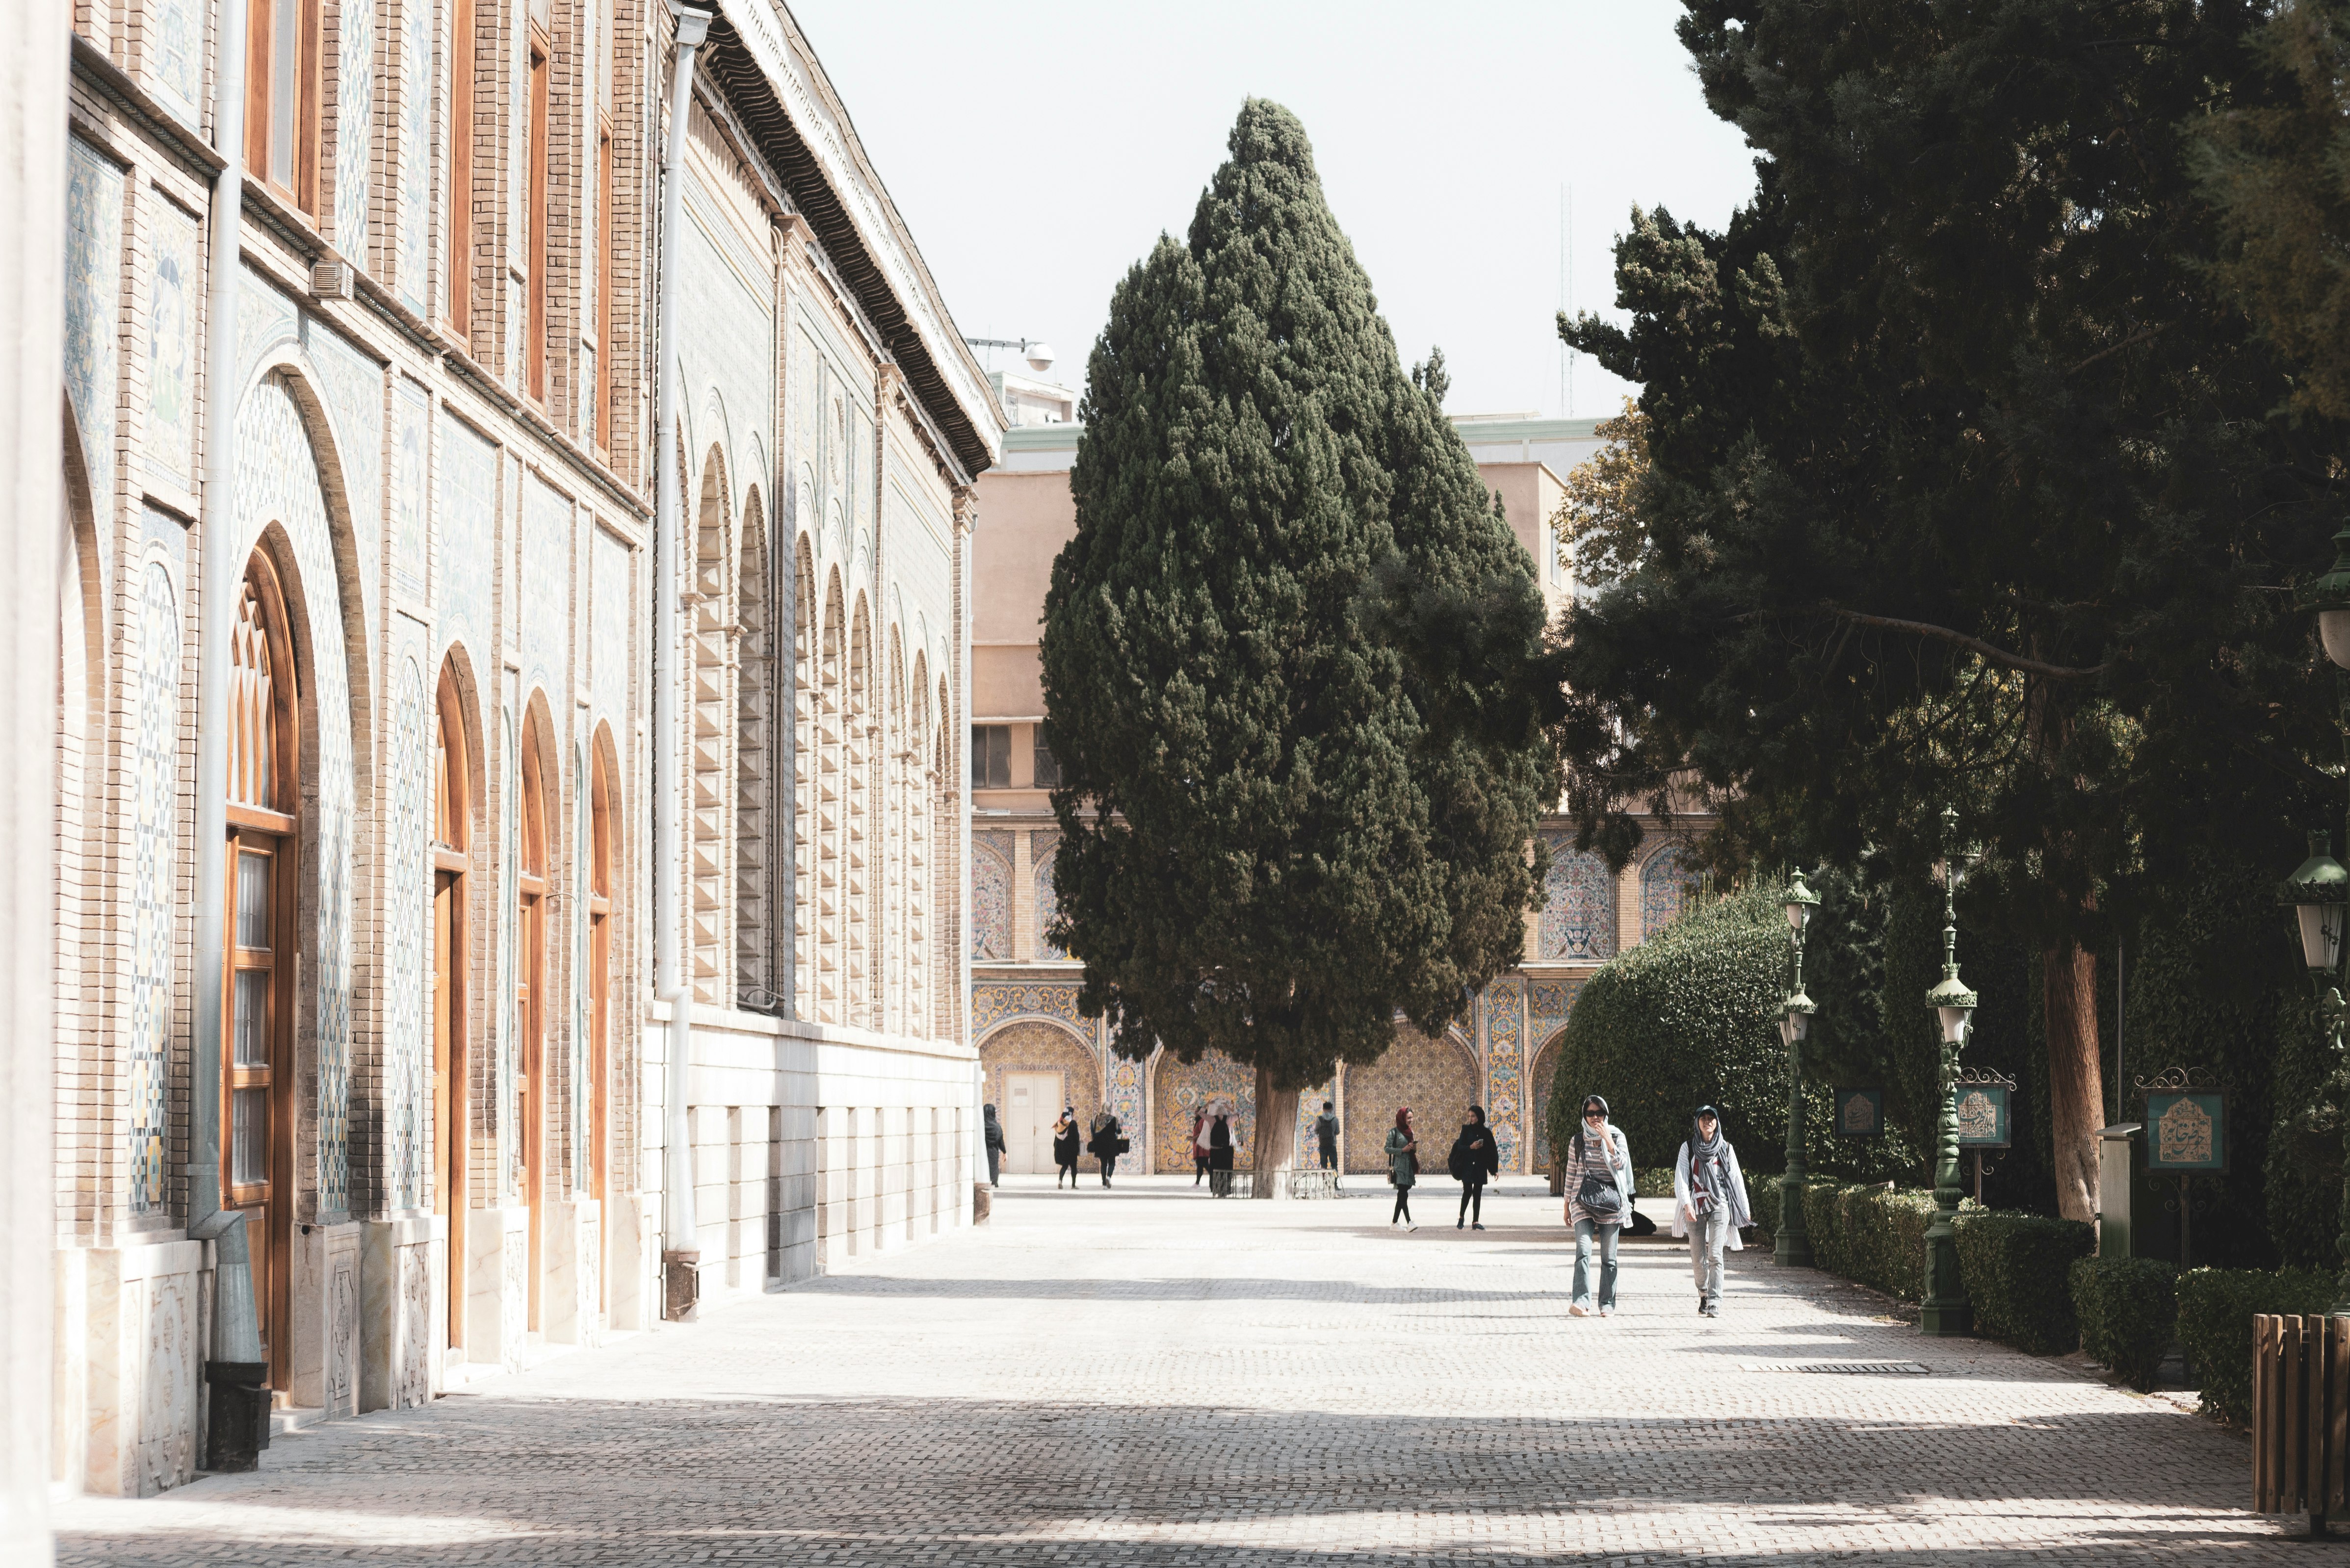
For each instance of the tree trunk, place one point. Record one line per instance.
(2076, 1087)
(1276, 1136)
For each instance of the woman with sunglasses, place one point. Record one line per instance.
(1598, 1195)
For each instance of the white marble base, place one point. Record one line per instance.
(634, 1262)
(397, 1338)
(570, 1299)
(129, 1365)
(323, 1339)
(497, 1285)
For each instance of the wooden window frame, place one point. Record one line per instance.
(262, 96)
(272, 830)
(530, 993)
(604, 824)
(452, 830)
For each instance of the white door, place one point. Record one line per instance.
(1034, 1103)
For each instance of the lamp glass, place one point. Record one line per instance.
(2334, 632)
(1799, 1024)
(1954, 1023)
(2321, 935)
(1798, 917)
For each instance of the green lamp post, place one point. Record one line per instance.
(1793, 1245)
(2319, 891)
(1946, 1311)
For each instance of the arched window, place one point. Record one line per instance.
(604, 821)
(712, 706)
(856, 764)
(803, 732)
(532, 995)
(453, 865)
(262, 950)
(924, 783)
(755, 706)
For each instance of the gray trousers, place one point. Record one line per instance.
(1707, 1235)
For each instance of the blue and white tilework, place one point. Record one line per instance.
(1044, 848)
(546, 585)
(355, 387)
(609, 619)
(155, 910)
(278, 482)
(1579, 917)
(991, 898)
(354, 126)
(175, 58)
(266, 319)
(93, 292)
(1668, 886)
(467, 524)
(412, 267)
(411, 471)
(408, 871)
(174, 285)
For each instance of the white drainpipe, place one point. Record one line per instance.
(680, 1244)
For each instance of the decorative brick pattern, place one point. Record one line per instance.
(354, 25)
(1545, 1078)
(155, 909)
(93, 292)
(407, 870)
(412, 469)
(994, 1001)
(175, 286)
(1437, 1078)
(991, 903)
(1503, 1005)
(1028, 1047)
(1044, 848)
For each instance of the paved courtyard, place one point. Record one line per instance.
(1152, 1377)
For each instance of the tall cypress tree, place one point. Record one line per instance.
(1298, 780)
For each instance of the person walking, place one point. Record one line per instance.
(1708, 1204)
(1064, 1146)
(993, 1135)
(1325, 1137)
(1598, 1195)
(1108, 1142)
(1220, 1155)
(1199, 1145)
(1474, 1157)
(1403, 1165)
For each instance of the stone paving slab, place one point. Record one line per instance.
(1150, 1376)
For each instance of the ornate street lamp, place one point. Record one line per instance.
(1946, 1311)
(2319, 892)
(1793, 1245)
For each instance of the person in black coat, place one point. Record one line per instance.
(1065, 1138)
(994, 1140)
(1475, 1157)
(1108, 1143)
(1220, 1155)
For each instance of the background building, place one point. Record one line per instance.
(1037, 1054)
(353, 813)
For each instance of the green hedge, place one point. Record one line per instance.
(2017, 1271)
(2215, 1308)
(1657, 1182)
(1870, 1232)
(2128, 1310)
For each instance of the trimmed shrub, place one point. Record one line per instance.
(1763, 1202)
(2215, 1308)
(2016, 1269)
(1657, 1182)
(1870, 1232)
(2128, 1309)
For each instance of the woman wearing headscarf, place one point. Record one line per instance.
(1708, 1204)
(1220, 1154)
(1107, 1142)
(1199, 1145)
(994, 1140)
(1403, 1165)
(1474, 1157)
(1064, 1146)
(1598, 1196)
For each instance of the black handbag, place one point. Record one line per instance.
(1125, 1143)
(1601, 1198)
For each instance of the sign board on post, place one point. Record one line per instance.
(1984, 1115)
(2187, 1130)
(1859, 1113)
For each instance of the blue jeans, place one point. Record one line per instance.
(1584, 1233)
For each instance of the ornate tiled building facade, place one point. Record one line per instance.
(363, 515)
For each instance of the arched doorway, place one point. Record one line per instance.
(1178, 1089)
(453, 865)
(263, 947)
(530, 997)
(1030, 1070)
(1437, 1078)
(1543, 1078)
(603, 826)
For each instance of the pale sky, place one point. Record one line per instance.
(1037, 148)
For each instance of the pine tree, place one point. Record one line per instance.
(1299, 775)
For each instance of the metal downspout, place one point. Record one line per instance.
(680, 1244)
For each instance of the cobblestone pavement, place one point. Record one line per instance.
(1153, 1377)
